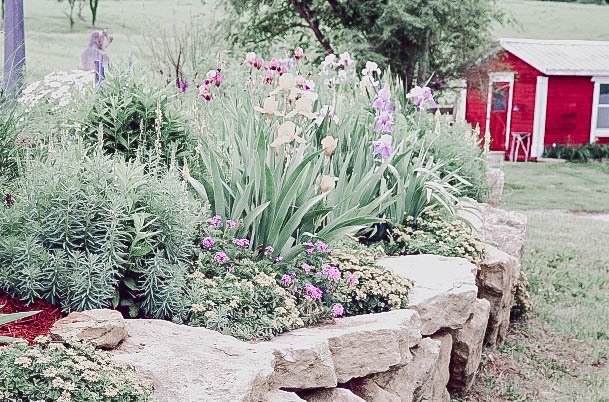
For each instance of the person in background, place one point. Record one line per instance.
(95, 51)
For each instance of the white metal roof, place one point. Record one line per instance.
(562, 57)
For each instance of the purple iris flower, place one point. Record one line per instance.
(384, 123)
(383, 146)
(421, 97)
(381, 102)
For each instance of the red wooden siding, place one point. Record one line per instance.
(568, 116)
(523, 105)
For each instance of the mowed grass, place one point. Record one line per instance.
(566, 186)
(52, 46)
(553, 20)
(561, 352)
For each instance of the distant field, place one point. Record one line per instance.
(554, 20)
(51, 46)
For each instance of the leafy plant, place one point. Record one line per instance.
(88, 231)
(7, 318)
(60, 372)
(433, 234)
(132, 114)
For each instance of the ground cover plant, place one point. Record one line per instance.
(66, 372)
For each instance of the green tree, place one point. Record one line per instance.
(417, 38)
(93, 6)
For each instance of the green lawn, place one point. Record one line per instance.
(554, 20)
(51, 46)
(568, 186)
(561, 353)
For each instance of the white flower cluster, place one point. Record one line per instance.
(336, 68)
(57, 88)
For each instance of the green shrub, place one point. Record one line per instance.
(9, 143)
(89, 231)
(66, 372)
(578, 153)
(431, 234)
(457, 147)
(133, 115)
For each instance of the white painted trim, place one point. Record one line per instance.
(597, 132)
(462, 104)
(539, 117)
(502, 76)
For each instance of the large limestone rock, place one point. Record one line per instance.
(332, 395)
(505, 229)
(467, 348)
(190, 364)
(410, 382)
(444, 289)
(495, 179)
(441, 375)
(496, 283)
(282, 396)
(103, 328)
(322, 357)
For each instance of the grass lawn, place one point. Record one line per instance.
(562, 351)
(554, 20)
(52, 46)
(567, 186)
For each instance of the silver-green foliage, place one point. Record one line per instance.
(88, 231)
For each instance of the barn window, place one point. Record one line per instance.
(602, 119)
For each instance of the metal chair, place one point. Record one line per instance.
(520, 140)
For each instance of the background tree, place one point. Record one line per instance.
(417, 38)
(93, 6)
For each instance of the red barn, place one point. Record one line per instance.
(542, 92)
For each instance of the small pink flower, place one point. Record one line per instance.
(352, 279)
(331, 272)
(287, 279)
(218, 79)
(338, 310)
(279, 259)
(273, 64)
(221, 257)
(250, 57)
(258, 63)
(312, 292)
(322, 247)
(306, 267)
(231, 223)
(215, 221)
(268, 250)
(241, 242)
(298, 53)
(208, 242)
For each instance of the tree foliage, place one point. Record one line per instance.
(418, 38)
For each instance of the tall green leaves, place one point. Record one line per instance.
(6, 318)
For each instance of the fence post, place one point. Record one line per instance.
(14, 48)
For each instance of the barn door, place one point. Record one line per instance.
(499, 115)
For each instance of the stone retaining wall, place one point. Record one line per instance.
(419, 353)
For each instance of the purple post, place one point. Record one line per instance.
(14, 47)
(100, 72)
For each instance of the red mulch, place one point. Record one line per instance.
(29, 327)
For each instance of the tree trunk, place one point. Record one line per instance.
(14, 48)
(424, 60)
(305, 13)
